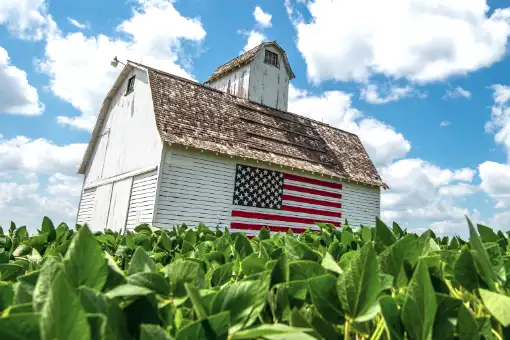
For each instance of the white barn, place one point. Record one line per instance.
(166, 150)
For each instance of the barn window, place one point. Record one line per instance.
(271, 58)
(130, 85)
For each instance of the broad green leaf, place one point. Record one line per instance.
(63, 316)
(182, 271)
(153, 281)
(21, 233)
(264, 234)
(190, 236)
(296, 250)
(115, 275)
(446, 316)
(10, 272)
(196, 300)
(359, 284)
(97, 323)
(366, 234)
(6, 295)
(153, 332)
(253, 264)
(24, 289)
(347, 238)
(47, 225)
(325, 298)
(85, 264)
(273, 332)
(304, 270)
(95, 302)
(214, 327)
(465, 270)
(467, 326)
(329, 263)
(128, 291)
(383, 237)
(243, 245)
(23, 326)
(391, 315)
(141, 262)
(419, 309)
(487, 234)
(482, 258)
(280, 271)
(222, 274)
(165, 242)
(244, 300)
(498, 305)
(44, 283)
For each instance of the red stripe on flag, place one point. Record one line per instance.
(297, 178)
(301, 199)
(257, 227)
(311, 191)
(273, 217)
(311, 211)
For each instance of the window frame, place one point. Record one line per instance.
(130, 85)
(269, 60)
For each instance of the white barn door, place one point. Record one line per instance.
(119, 204)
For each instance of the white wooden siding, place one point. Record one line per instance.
(119, 204)
(198, 188)
(236, 82)
(133, 141)
(143, 196)
(101, 207)
(360, 203)
(87, 201)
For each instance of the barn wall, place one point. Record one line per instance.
(129, 118)
(143, 197)
(86, 206)
(197, 187)
(269, 85)
(235, 83)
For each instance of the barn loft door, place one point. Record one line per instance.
(101, 207)
(119, 204)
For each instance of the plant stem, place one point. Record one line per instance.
(378, 331)
(346, 329)
(496, 334)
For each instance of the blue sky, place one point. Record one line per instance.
(425, 86)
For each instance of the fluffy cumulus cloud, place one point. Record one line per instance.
(414, 39)
(253, 38)
(26, 19)
(39, 155)
(457, 92)
(373, 94)
(262, 18)
(79, 65)
(17, 96)
(382, 142)
(500, 118)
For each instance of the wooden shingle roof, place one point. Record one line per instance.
(191, 114)
(245, 58)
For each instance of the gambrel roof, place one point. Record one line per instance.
(248, 56)
(191, 114)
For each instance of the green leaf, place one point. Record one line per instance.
(85, 264)
(391, 315)
(275, 331)
(153, 281)
(141, 262)
(325, 298)
(252, 264)
(6, 295)
(419, 309)
(498, 305)
(128, 291)
(21, 233)
(329, 263)
(214, 327)
(44, 283)
(190, 236)
(446, 316)
(196, 300)
(264, 234)
(366, 234)
(467, 326)
(347, 238)
(97, 323)
(10, 272)
(244, 300)
(182, 271)
(280, 271)
(153, 332)
(383, 237)
(465, 270)
(62, 316)
(487, 234)
(23, 326)
(359, 284)
(482, 258)
(296, 250)
(222, 274)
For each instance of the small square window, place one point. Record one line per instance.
(271, 58)
(130, 85)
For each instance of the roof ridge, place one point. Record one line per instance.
(239, 98)
(239, 56)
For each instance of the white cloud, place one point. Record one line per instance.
(262, 18)
(374, 95)
(25, 19)
(63, 185)
(419, 40)
(457, 92)
(79, 65)
(78, 24)
(495, 181)
(17, 96)
(39, 155)
(382, 142)
(445, 123)
(459, 190)
(500, 117)
(255, 38)
(501, 221)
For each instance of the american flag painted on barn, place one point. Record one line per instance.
(263, 197)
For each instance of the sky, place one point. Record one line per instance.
(425, 84)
